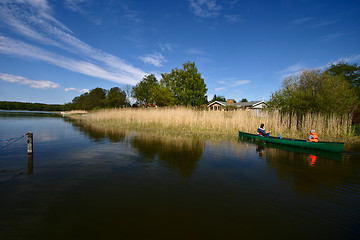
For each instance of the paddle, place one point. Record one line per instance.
(280, 136)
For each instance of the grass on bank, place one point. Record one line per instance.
(187, 121)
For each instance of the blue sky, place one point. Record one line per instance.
(52, 50)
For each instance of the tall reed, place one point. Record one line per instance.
(227, 123)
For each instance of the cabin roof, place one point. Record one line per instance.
(220, 103)
(240, 104)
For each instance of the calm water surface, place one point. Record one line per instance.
(84, 183)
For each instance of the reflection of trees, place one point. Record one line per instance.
(98, 133)
(28, 114)
(308, 176)
(176, 154)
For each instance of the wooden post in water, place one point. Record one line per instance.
(30, 143)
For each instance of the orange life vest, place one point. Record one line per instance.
(315, 137)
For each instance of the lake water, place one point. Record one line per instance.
(84, 183)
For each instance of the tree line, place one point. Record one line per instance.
(9, 105)
(334, 90)
(223, 99)
(99, 98)
(181, 87)
(95, 99)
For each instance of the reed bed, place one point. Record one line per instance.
(187, 121)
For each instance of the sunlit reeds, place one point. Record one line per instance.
(224, 123)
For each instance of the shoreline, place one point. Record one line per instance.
(201, 124)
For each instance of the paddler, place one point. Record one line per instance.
(313, 136)
(261, 131)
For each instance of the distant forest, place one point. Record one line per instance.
(5, 105)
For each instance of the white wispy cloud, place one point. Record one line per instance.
(333, 36)
(231, 3)
(74, 5)
(155, 59)
(352, 59)
(204, 8)
(230, 83)
(81, 7)
(240, 82)
(196, 51)
(298, 68)
(33, 19)
(292, 69)
(234, 18)
(166, 47)
(302, 20)
(124, 74)
(109, 12)
(312, 22)
(84, 90)
(41, 84)
(220, 89)
(323, 23)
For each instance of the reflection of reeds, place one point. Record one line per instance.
(116, 134)
(189, 121)
(177, 153)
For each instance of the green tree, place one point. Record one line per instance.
(351, 72)
(116, 98)
(315, 91)
(218, 98)
(79, 102)
(186, 85)
(161, 96)
(96, 98)
(244, 100)
(88, 101)
(141, 91)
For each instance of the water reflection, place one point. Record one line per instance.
(312, 157)
(27, 114)
(88, 182)
(99, 134)
(310, 171)
(30, 164)
(312, 160)
(260, 149)
(301, 151)
(178, 154)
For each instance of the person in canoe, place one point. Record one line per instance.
(313, 136)
(261, 131)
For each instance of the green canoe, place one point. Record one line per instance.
(325, 146)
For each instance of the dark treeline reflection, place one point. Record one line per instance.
(310, 171)
(99, 134)
(177, 154)
(27, 114)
